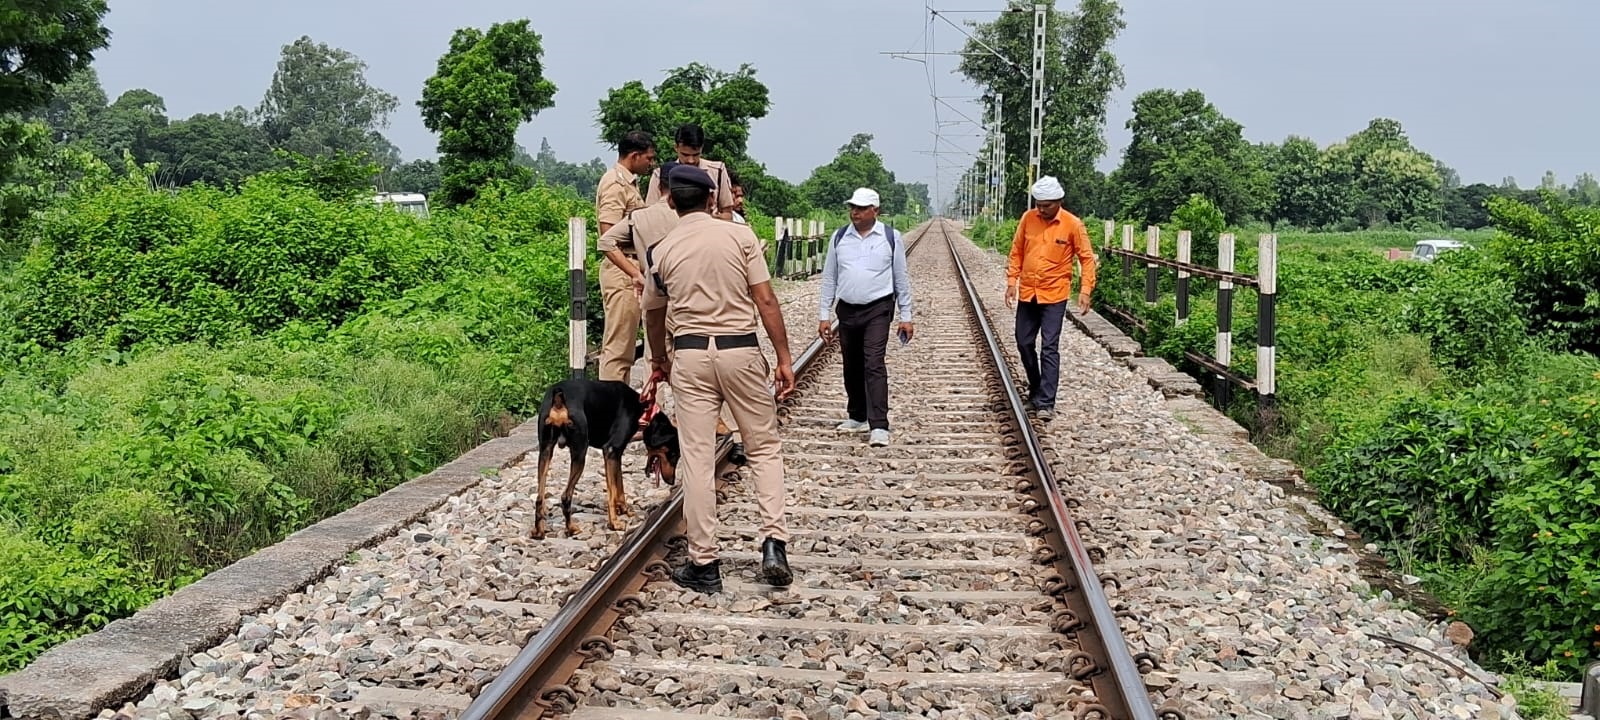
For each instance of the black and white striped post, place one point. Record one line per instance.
(1152, 271)
(577, 331)
(1224, 353)
(1267, 322)
(1127, 262)
(1183, 278)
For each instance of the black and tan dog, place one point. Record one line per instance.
(661, 448)
(579, 414)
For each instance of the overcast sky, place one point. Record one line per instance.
(1490, 87)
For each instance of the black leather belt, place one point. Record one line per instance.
(724, 342)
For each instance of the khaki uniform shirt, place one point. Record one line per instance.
(640, 231)
(701, 273)
(616, 195)
(714, 168)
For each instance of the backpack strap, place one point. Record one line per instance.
(888, 232)
(650, 262)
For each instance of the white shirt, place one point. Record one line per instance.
(859, 270)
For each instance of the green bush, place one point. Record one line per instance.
(1552, 256)
(1431, 417)
(200, 373)
(1205, 224)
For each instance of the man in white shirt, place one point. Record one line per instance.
(865, 271)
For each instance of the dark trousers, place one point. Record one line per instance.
(863, 336)
(1041, 356)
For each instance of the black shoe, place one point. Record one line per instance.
(736, 455)
(705, 578)
(775, 563)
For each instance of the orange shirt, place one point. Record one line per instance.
(1041, 257)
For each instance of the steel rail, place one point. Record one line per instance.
(1128, 697)
(533, 683)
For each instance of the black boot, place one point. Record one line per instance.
(705, 578)
(736, 455)
(775, 563)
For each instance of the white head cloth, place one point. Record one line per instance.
(1047, 188)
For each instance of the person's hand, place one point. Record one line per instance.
(783, 381)
(663, 366)
(906, 329)
(1083, 304)
(825, 330)
(1011, 296)
(638, 286)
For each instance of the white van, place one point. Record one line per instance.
(414, 203)
(1430, 250)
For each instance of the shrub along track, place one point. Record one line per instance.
(938, 577)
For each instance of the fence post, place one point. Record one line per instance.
(811, 250)
(1266, 320)
(777, 243)
(1183, 278)
(1111, 230)
(1127, 262)
(1152, 271)
(578, 328)
(1224, 353)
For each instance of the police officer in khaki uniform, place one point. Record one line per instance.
(625, 244)
(705, 285)
(616, 196)
(690, 139)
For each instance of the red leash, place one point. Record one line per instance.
(648, 397)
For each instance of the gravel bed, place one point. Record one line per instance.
(1262, 618)
(911, 560)
(440, 607)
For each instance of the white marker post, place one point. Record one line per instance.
(577, 330)
(1267, 320)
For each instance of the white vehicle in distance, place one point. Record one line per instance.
(1430, 250)
(414, 203)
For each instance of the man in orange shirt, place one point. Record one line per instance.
(1039, 284)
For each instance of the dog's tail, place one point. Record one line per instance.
(558, 417)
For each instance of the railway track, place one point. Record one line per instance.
(941, 576)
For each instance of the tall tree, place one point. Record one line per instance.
(1394, 183)
(1080, 73)
(487, 85)
(1182, 145)
(128, 125)
(723, 104)
(75, 107)
(856, 165)
(218, 149)
(42, 43)
(320, 103)
(418, 176)
(583, 179)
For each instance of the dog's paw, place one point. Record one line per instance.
(572, 529)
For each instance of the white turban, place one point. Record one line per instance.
(1048, 189)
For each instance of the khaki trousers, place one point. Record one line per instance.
(701, 381)
(621, 323)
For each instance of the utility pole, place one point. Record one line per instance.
(1000, 152)
(1036, 119)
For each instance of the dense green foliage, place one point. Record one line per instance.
(488, 84)
(858, 165)
(723, 104)
(1438, 409)
(197, 374)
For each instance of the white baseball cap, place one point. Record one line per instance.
(863, 197)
